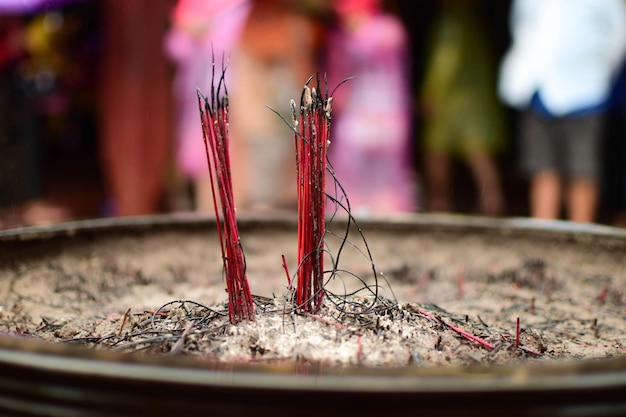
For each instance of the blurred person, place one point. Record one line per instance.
(274, 57)
(370, 146)
(63, 48)
(135, 107)
(559, 72)
(200, 31)
(19, 167)
(613, 207)
(461, 112)
(40, 77)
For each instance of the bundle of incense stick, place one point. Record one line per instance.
(312, 130)
(214, 117)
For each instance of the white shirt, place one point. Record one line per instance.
(567, 50)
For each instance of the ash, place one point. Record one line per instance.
(350, 331)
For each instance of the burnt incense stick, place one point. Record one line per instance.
(312, 131)
(214, 118)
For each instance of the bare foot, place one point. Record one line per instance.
(44, 212)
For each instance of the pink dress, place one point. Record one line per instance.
(370, 147)
(199, 28)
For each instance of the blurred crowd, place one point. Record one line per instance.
(490, 107)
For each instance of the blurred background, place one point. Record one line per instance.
(98, 114)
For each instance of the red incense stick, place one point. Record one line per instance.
(214, 117)
(312, 130)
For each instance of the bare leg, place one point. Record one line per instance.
(438, 182)
(487, 180)
(545, 195)
(582, 200)
(204, 195)
(135, 127)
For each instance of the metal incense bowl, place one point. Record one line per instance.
(48, 379)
